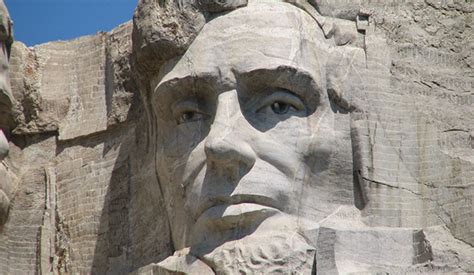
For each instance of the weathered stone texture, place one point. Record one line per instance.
(78, 163)
(75, 88)
(419, 157)
(74, 72)
(21, 234)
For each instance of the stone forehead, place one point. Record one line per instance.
(267, 15)
(262, 33)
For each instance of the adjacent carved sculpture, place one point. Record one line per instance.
(6, 40)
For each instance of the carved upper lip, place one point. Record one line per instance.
(237, 199)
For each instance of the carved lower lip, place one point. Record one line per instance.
(237, 200)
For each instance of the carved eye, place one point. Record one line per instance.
(281, 102)
(186, 116)
(280, 108)
(190, 116)
(189, 110)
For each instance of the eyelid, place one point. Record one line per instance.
(186, 106)
(285, 96)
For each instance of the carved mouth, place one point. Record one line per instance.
(246, 204)
(243, 215)
(229, 221)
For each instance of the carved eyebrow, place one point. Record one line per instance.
(171, 90)
(299, 79)
(292, 78)
(172, 84)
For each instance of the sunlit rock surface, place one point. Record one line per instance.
(245, 136)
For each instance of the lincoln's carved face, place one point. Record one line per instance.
(245, 126)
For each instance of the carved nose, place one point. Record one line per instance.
(227, 143)
(229, 151)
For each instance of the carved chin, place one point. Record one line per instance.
(281, 253)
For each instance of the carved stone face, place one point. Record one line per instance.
(5, 109)
(244, 125)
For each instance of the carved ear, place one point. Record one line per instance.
(344, 73)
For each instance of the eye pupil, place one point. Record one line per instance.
(280, 108)
(187, 116)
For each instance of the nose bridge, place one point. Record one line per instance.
(227, 141)
(228, 108)
(226, 118)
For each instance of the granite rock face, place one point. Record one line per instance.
(7, 179)
(222, 137)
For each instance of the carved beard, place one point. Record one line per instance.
(273, 252)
